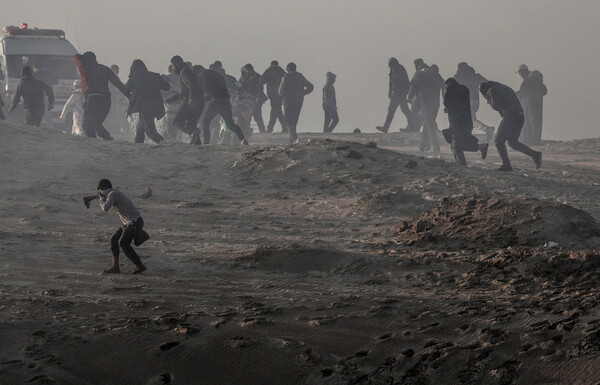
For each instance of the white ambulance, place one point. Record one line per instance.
(50, 56)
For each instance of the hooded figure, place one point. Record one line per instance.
(75, 105)
(272, 78)
(536, 106)
(94, 81)
(32, 90)
(251, 85)
(398, 89)
(503, 99)
(330, 104)
(146, 100)
(531, 94)
(457, 106)
(292, 89)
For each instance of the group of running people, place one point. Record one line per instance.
(202, 94)
(461, 102)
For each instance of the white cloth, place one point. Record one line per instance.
(75, 104)
(127, 211)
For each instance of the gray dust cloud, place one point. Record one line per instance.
(353, 39)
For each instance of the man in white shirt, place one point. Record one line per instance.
(131, 230)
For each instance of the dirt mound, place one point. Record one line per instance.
(499, 221)
(394, 201)
(328, 165)
(294, 259)
(523, 265)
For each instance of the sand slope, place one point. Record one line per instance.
(283, 265)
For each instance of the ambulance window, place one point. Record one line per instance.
(47, 67)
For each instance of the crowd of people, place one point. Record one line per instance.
(210, 105)
(207, 103)
(521, 111)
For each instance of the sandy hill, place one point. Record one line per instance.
(283, 265)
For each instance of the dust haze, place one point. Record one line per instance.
(351, 258)
(354, 39)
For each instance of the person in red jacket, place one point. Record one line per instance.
(94, 80)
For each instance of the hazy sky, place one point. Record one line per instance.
(354, 39)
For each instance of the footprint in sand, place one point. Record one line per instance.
(507, 373)
(168, 346)
(385, 336)
(163, 379)
(41, 379)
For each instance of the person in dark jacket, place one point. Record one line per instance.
(398, 90)
(531, 94)
(292, 89)
(230, 81)
(503, 99)
(458, 107)
(32, 90)
(215, 91)
(191, 97)
(94, 81)
(146, 100)
(467, 76)
(251, 85)
(425, 90)
(330, 104)
(272, 78)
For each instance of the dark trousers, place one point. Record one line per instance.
(429, 135)
(331, 119)
(509, 131)
(95, 110)
(122, 239)
(396, 102)
(34, 115)
(257, 115)
(186, 119)
(145, 126)
(291, 111)
(462, 141)
(219, 106)
(276, 114)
